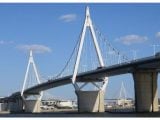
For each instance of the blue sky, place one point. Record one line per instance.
(53, 29)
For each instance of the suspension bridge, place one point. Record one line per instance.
(92, 68)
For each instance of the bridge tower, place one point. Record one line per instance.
(31, 105)
(93, 100)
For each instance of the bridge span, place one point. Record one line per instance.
(148, 64)
(144, 71)
(97, 75)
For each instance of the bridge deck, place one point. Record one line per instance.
(149, 63)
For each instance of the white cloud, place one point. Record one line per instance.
(68, 17)
(158, 34)
(35, 47)
(2, 42)
(132, 39)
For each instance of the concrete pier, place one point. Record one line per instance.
(32, 106)
(15, 106)
(90, 101)
(146, 93)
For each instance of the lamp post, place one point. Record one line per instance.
(154, 48)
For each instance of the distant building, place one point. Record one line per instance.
(51, 104)
(65, 104)
(3, 106)
(125, 102)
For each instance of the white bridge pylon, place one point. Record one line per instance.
(88, 24)
(31, 62)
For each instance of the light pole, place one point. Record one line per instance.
(154, 48)
(134, 54)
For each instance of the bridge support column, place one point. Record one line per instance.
(90, 101)
(16, 105)
(146, 94)
(32, 106)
